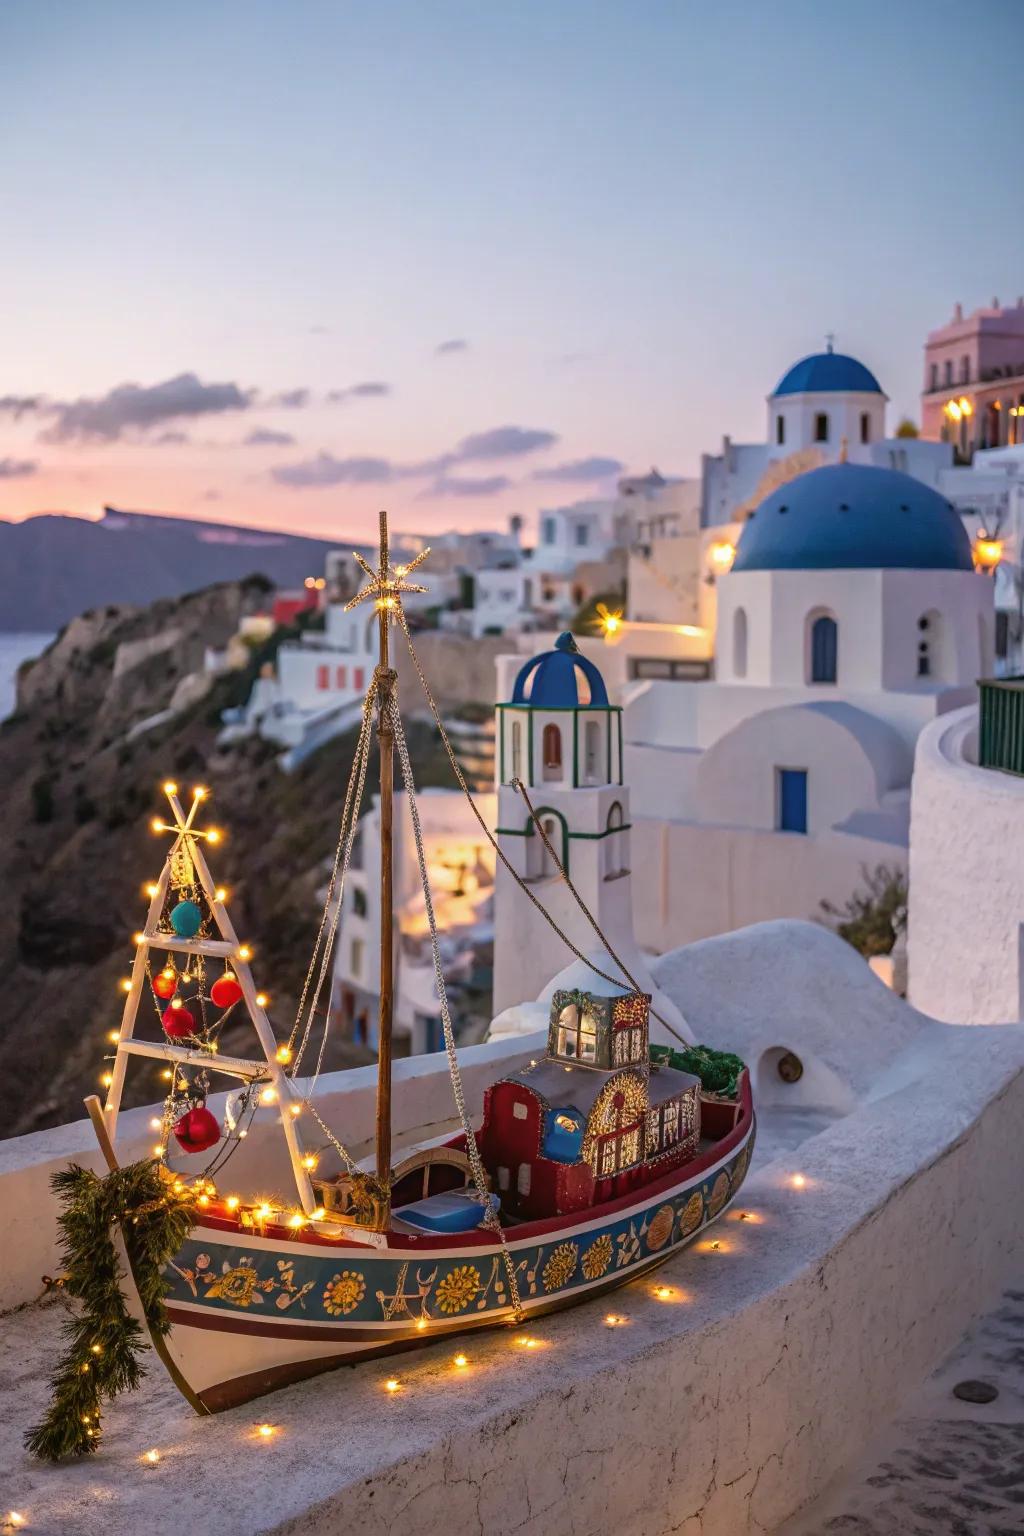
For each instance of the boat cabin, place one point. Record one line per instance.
(593, 1119)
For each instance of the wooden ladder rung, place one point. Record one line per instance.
(233, 1066)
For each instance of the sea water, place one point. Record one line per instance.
(14, 649)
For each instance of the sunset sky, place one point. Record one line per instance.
(283, 263)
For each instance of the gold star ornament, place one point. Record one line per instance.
(387, 583)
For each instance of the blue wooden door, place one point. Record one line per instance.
(792, 798)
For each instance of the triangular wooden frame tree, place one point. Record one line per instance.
(187, 836)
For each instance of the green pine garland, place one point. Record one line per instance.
(718, 1071)
(104, 1343)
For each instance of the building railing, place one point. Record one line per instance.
(1001, 735)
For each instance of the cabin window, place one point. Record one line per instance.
(821, 427)
(323, 677)
(629, 1147)
(517, 749)
(519, 1110)
(523, 1179)
(865, 427)
(670, 1123)
(653, 1131)
(614, 852)
(608, 1155)
(824, 649)
(577, 1034)
(503, 1180)
(552, 751)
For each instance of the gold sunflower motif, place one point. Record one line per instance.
(598, 1257)
(235, 1285)
(344, 1292)
(693, 1214)
(660, 1229)
(458, 1288)
(739, 1168)
(560, 1267)
(719, 1195)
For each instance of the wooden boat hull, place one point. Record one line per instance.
(252, 1312)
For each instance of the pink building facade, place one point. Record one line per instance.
(973, 392)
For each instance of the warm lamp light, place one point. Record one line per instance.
(987, 553)
(721, 555)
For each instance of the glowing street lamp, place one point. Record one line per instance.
(987, 553)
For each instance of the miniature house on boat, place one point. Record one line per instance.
(592, 1120)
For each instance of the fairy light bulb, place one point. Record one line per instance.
(297, 1221)
(421, 1324)
(156, 825)
(263, 1211)
(107, 1079)
(140, 938)
(176, 1003)
(220, 894)
(392, 1384)
(244, 952)
(262, 999)
(265, 1431)
(284, 1054)
(168, 973)
(200, 792)
(114, 1036)
(268, 1096)
(310, 1161)
(460, 1362)
(126, 984)
(170, 788)
(799, 1181)
(214, 835)
(151, 889)
(232, 1202)
(152, 1457)
(156, 1123)
(167, 1074)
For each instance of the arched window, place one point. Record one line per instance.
(517, 749)
(739, 643)
(592, 752)
(865, 427)
(780, 430)
(821, 427)
(539, 863)
(824, 649)
(615, 860)
(551, 744)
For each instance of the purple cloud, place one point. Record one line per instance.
(20, 405)
(17, 469)
(482, 485)
(373, 389)
(290, 399)
(325, 469)
(266, 437)
(141, 407)
(446, 348)
(504, 443)
(594, 468)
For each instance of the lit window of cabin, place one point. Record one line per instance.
(670, 1123)
(577, 1034)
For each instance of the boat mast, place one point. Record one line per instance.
(386, 680)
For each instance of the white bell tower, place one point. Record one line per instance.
(561, 737)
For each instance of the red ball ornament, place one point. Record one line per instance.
(179, 1023)
(196, 1130)
(225, 991)
(165, 986)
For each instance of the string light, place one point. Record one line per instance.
(265, 1431)
(262, 999)
(232, 1202)
(158, 1151)
(615, 1320)
(152, 1457)
(268, 1096)
(318, 1214)
(214, 835)
(155, 1123)
(140, 938)
(244, 952)
(297, 1221)
(798, 1181)
(200, 792)
(220, 894)
(156, 825)
(421, 1324)
(284, 1053)
(114, 1036)
(263, 1211)
(460, 1362)
(664, 1292)
(168, 972)
(295, 1110)
(166, 1074)
(107, 1079)
(15, 1518)
(176, 1002)
(151, 889)
(392, 1384)
(126, 984)
(170, 788)
(310, 1161)
(527, 1342)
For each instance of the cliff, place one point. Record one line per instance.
(116, 705)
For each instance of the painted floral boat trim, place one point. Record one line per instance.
(324, 1287)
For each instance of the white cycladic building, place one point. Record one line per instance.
(851, 617)
(965, 939)
(559, 735)
(460, 863)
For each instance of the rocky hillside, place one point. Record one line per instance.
(115, 706)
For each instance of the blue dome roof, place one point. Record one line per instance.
(551, 680)
(828, 372)
(854, 517)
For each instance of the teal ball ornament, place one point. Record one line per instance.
(186, 919)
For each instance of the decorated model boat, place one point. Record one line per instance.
(591, 1164)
